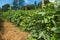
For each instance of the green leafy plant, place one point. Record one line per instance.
(40, 25)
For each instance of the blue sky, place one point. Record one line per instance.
(2, 2)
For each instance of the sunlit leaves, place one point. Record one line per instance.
(40, 25)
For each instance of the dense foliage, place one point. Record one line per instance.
(40, 25)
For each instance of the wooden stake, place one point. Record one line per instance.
(42, 5)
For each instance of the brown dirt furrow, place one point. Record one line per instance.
(10, 32)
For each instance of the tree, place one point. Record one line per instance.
(39, 5)
(0, 10)
(35, 3)
(28, 7)
(31, 6)
(21, 3)
(46, 1)
(17, 4)
(5, 7)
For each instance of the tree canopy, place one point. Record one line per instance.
(5, 7)
(17, 4)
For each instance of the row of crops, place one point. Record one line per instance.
(40, 25)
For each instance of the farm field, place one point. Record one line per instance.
(31, 22)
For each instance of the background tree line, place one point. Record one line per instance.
(19, 5)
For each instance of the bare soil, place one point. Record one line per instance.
(8, 31)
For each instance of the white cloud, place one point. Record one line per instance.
(26, 1)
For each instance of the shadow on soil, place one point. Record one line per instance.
(1, 28)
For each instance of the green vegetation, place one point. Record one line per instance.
(41, 25)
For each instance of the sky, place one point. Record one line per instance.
(2, 2)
